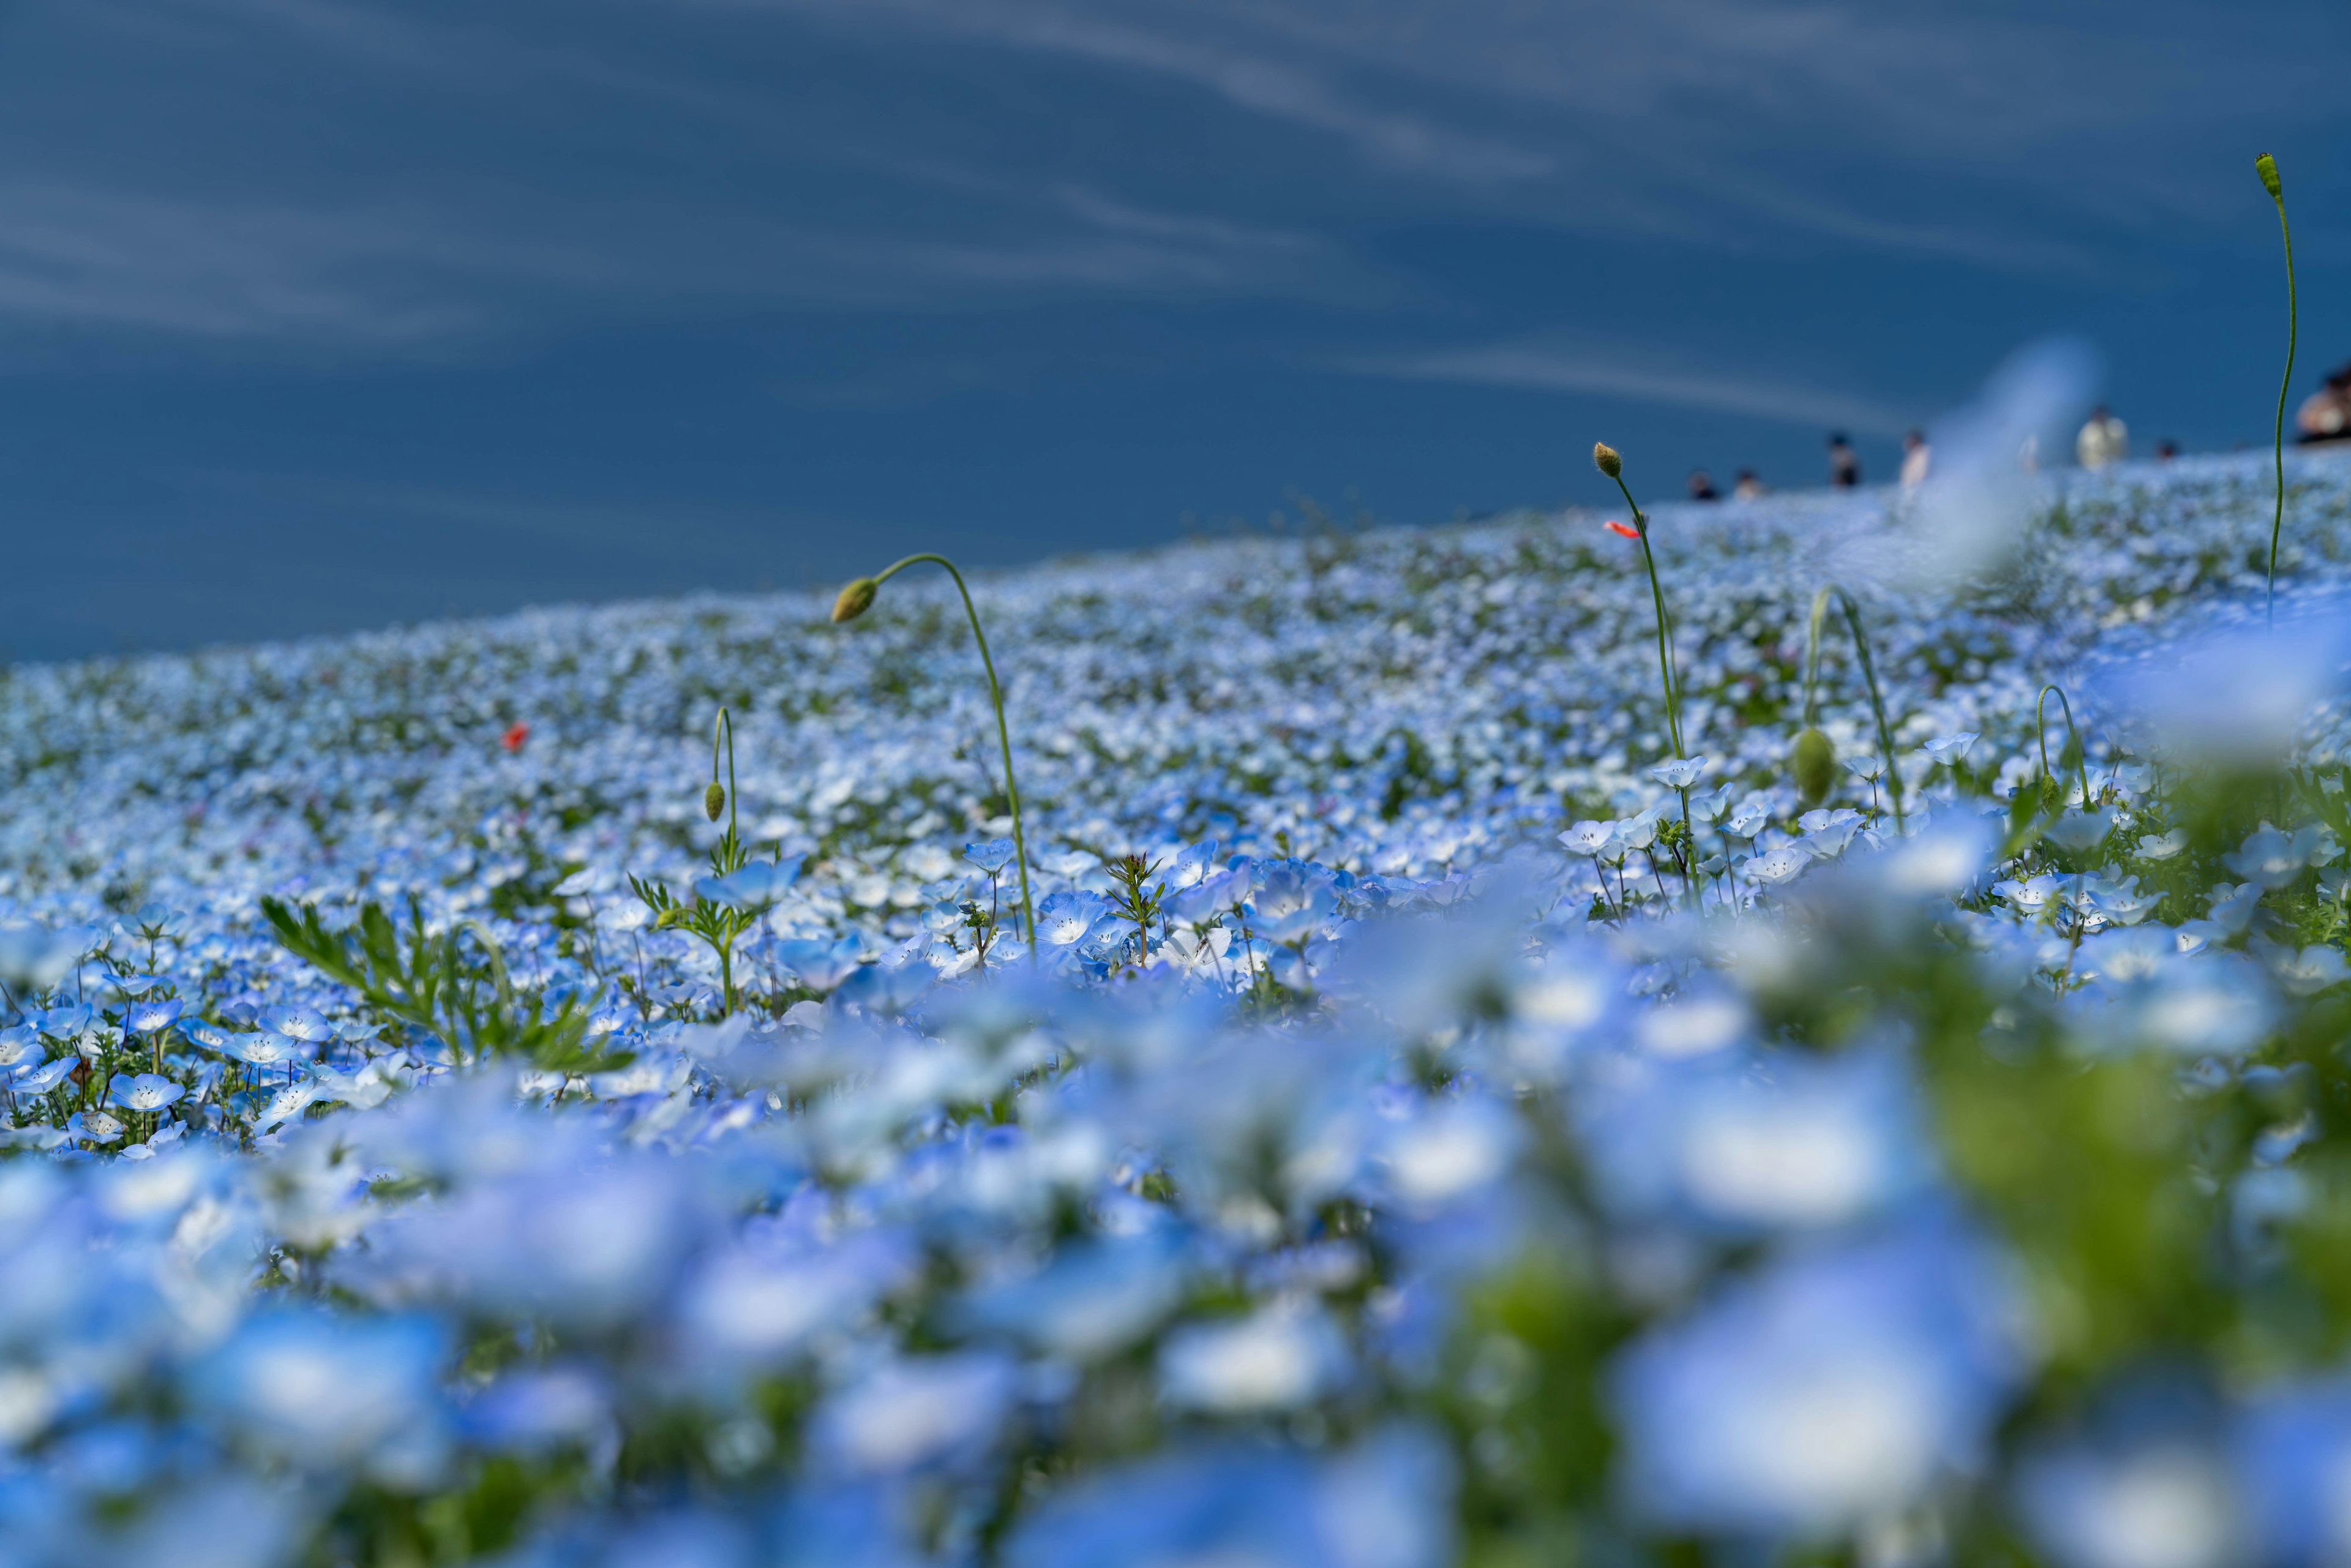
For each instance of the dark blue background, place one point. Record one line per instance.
(318, 314)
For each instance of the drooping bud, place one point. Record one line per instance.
(714, 800)
(2266, 167)
(1814, 767)
(1605, 458)
(855, 600)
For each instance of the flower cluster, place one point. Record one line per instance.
(1433, 1120)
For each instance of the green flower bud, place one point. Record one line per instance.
(1605, 458)
(2266, 167)
(714, 800)
(855, 600)
(1814, 767)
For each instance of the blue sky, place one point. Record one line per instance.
(318, 314)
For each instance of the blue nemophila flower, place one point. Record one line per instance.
(93, 1127)
(2120, 901)
(990, 855)
(1867, 766)
(1736, 1143)
(298, 1023)
(2162, 846)
(1950, 749)
(754, 1308)
(2277, 859)
(33, 1080)
(754, 886)
(2080, 832)
(1386, 1502)
(1277, 1358)
(1067, 919)
(2151, 1479)
(147, 1016)
(1778, 867)
(1093, 1299)
(326, 1392)
(537, 1411)
(147, 1092)
(1832, 1387)
(1827, 831)
(822, 964)
(1681, 773)
(1593, 839)
(208, 1034)
(1291, 905)
(2291, 1450)
(1217, 894)
(915, 1414)
(267, 1048)
(2308, 971)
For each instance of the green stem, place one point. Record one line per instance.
(1666, 668)
(2081, 752)
(1003, 732)
(1665, 626)
(1876, 705)
(725, 723)
(2293, 332)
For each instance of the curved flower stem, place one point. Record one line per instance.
(2081, 752)
(1876, 705)
(1869, 675)
(1003, 733)
(1665, 625)
(725, 723)
(2268, 168)
(1665, 669)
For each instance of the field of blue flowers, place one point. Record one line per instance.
(465, 1103)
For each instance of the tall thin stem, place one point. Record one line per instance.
(1003, 732)
(1666, 671)
(2081, 752)
(1876, 705)
(1665, 625)
(725, 723)
(2266, 167)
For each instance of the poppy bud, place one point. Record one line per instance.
(1622, 530)
(2266, 167)
(714, 800)
(1814, 766)
(1605, 458)
(855, 600)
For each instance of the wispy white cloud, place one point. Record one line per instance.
(1252, 79)
(1655, 375)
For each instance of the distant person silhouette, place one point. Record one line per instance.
(2105, 440)
(1917, 458)
(2326, 414)
(1701, 487)
(1844, 462)
(1748, 488)
(2165, 451)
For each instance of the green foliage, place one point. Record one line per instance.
(451, 984)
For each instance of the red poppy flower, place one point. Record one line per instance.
(516, 733)
(1626, 529)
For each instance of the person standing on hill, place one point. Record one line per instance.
(1917, 458)
(1701, 487)
(2326, 414)
(1749, 486)
(1844, 462)
(2103, 440)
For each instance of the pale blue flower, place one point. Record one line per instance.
(147, 1092)
(1681, 773)
(1830, 1388)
